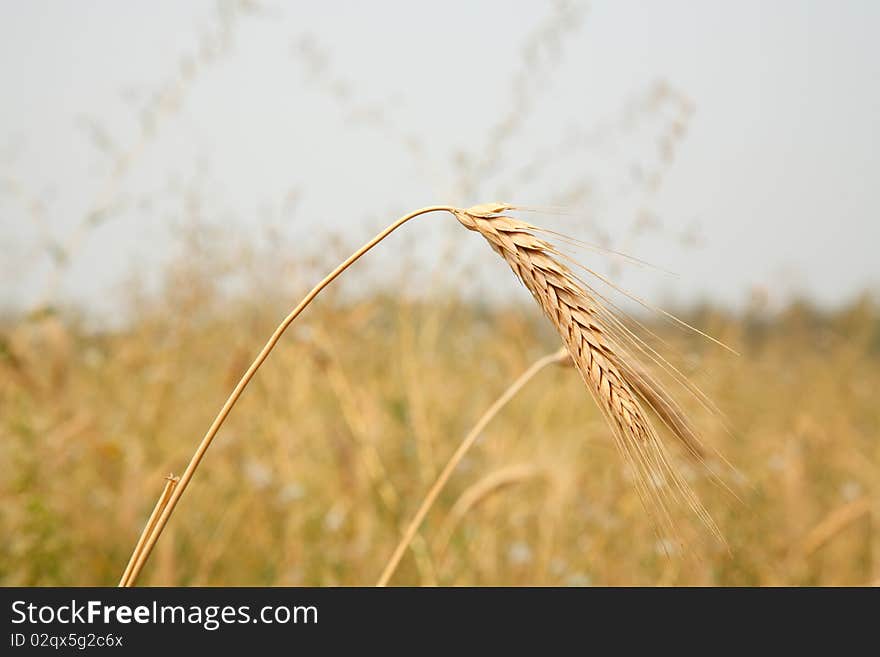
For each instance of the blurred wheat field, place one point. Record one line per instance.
(348, 423)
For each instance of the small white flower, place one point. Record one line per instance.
(666, 547)
(579, 579)
(851, 490)
(258, 473)
(519, 553)
(334, 519)
(291, 493)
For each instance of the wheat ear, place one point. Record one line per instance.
(581, 321)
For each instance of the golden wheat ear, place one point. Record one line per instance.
(618, 388)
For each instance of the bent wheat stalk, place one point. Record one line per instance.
(592, 336)
(187, 475)
(834, 523)
(458, 455)
(477, 492)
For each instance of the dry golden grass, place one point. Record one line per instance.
(313, 477)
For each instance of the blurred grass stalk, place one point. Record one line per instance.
(558, 356)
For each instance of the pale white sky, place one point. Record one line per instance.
(365, 110)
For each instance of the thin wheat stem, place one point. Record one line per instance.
(161, 503)
(457, 456)
(245, 379)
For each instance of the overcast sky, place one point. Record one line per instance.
(339, 115)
